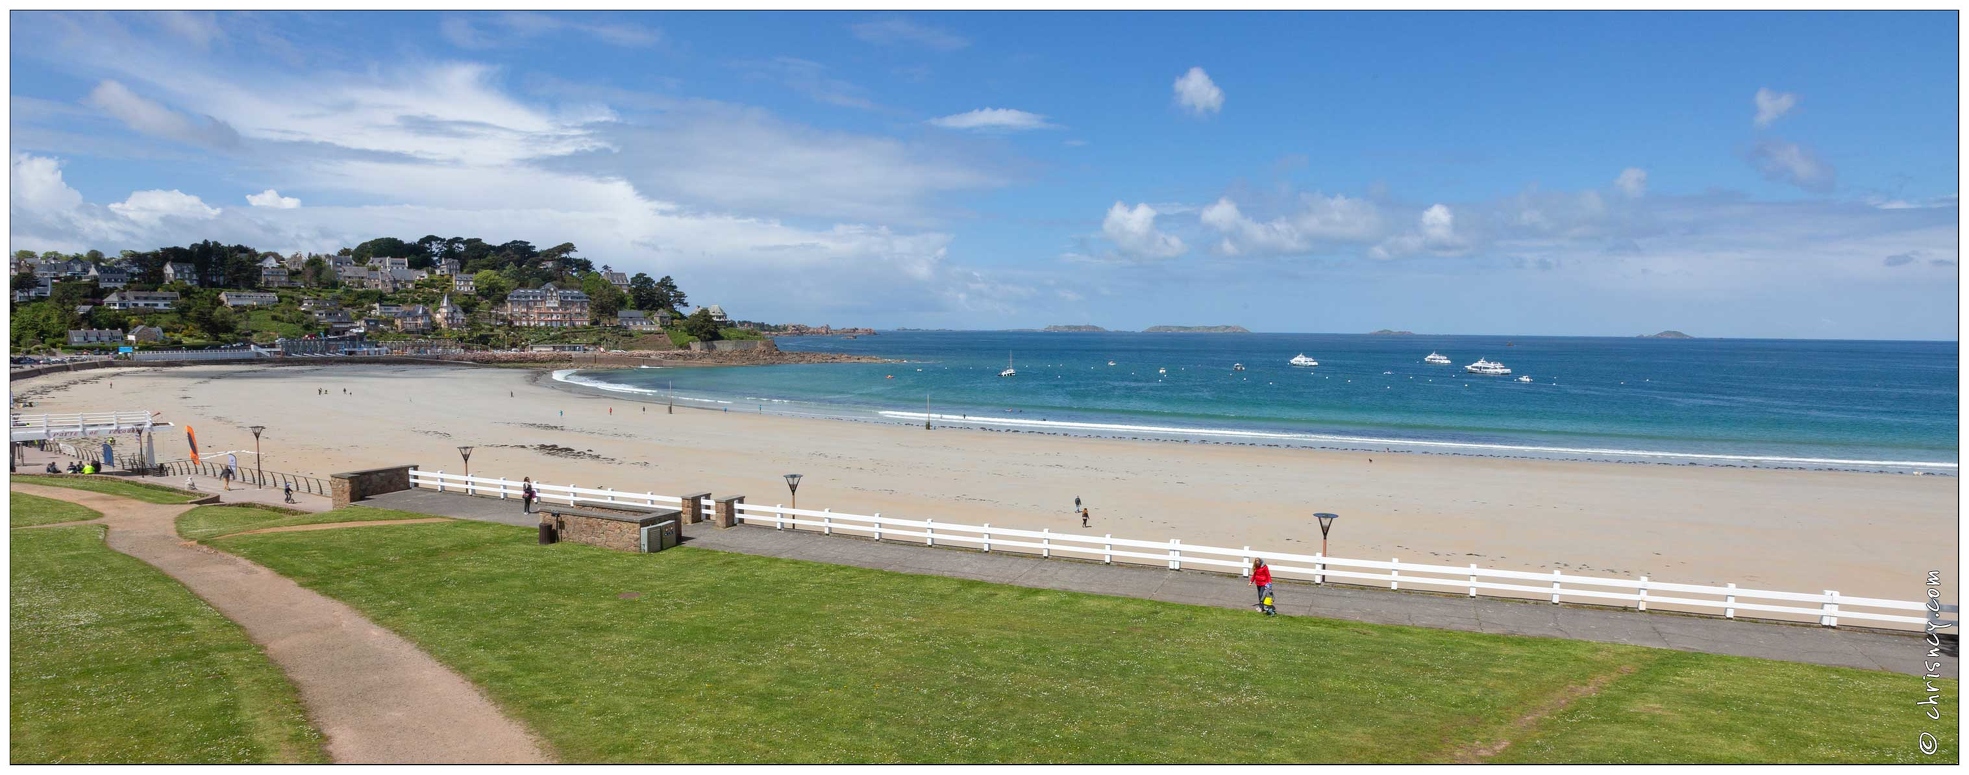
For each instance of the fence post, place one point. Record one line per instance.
(1644, 593)
(1319, 567)
(1555, 586)
(987, 537)
(1395, 575)
(929, 532)
(826, 522)
(1107, 551)
(650, 496)
(1045, 542)
(1247, 562)
(1830, 618)
(1175, 554)
(611, 494)
(502, 488)
(570, 493)
(440, 481)
(779, 519)
(1730, 602)
(1473, 579)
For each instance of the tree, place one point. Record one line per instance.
(491, 286)
(69, 295)
(642, 293)
(669, 295)
(391, 247)
(24, 255)
(700, 325)
(604, 299)
(40, 322)
(316, 273)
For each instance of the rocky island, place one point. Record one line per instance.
(1386, 332)
(1074, 329)
(1196, 330)
(1670, 334)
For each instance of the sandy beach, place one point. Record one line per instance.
(1862, 534)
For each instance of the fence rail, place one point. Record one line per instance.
(37, 427)
(572, 495)
(1827, 608)
(301, 483)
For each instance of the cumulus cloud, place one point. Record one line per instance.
(1196, 93)
(1772, 105)
(1633, 181)
(994, 119)
(896, 30)
(152, 207)
(272, 198)
(1133, 232)
(152, 118)
(1317, 221)
(1786, 162)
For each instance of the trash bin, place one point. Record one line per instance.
(660, 536)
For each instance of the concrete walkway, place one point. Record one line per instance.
(1868, 650)
(375, 697)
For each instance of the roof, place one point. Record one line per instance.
(631, 314)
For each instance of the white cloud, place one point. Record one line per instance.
(1001, 119)
(897, 30)
(811, 79)
(1772, 106)
(1633, 181)
(198, 28)
(152, 118)
(38, 187)
(1196, 93)
(1792, 163)
(151, 207)
(1318, 221)
(483, 31)
(272, 198)
(1133, 232)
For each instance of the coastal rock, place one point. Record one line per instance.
(1197, 330)
(1074, 329)
(1669, 334)
(1387, 332)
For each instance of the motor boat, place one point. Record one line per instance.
(1237, 367)
(1487, 368)
(1436, 358)
(1110, 363)
(1009, 371)
(1526, 378)
(1302, 360)
(1162, 371)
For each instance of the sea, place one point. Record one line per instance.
(1851, 405)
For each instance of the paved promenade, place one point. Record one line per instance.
(1791, 643)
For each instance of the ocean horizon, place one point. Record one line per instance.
(1870, 405)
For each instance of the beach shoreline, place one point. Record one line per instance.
(1863, 534)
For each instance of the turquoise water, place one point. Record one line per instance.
(1777, 403)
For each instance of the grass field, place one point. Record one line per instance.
(25, 510)
(111, 661)
(148, 493)
(700, 656)
(213, 521)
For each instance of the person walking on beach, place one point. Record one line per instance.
(1083, 516)
(526, 495)
(1261, 577)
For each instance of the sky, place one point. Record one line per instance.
(1723, 174)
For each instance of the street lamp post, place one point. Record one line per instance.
(1326, 524)
(465, 451)
(259, 471)
(793, 485)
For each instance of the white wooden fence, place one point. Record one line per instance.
(1827, 607)
(571, 495)
(1643, 593)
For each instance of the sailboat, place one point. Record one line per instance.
(1009, 371)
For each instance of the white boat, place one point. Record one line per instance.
(1302, 360)
(1436, 358)
(1110, 363)
(1009, 371)
(1162, 371)
(1487, 368)
(1525, 378)
(1237, 367)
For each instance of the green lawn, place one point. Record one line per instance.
(212, 521)
(113, 662)
(734, 658)
(148, 493)
(27, 510)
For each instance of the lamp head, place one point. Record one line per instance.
(466, 451)
(256, 430)
(1326, 522)
(793, 480)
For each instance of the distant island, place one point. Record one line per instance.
(1197, 330)
(1073, 329)
(1386, 332)
(1667, 335)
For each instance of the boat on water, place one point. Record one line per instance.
(1436, 358)
(1525, 378)
(1162, 371)
(1237, 367)
(1110, 363)
(1487, 368)
(1302, 360)
(1009, 371)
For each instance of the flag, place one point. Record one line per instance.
(232, 462)
(192, 439)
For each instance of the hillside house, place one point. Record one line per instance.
(546, 307)
(248, 298)
(158, 300)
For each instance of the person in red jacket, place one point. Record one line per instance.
(1261, 577)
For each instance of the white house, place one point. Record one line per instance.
(248, 298)
(163, 300)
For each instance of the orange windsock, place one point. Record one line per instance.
(192, 439)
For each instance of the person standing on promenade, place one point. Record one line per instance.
(526, 495)
(227, 476)
(1261, 577)
(1083, 516)
(287, 492)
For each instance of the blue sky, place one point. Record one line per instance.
(1785, 175)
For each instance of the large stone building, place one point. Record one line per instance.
(448, 315)
(546, 307)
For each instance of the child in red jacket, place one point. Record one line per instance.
(1261, 577)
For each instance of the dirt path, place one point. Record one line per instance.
(376, 697)
(1478, 753)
